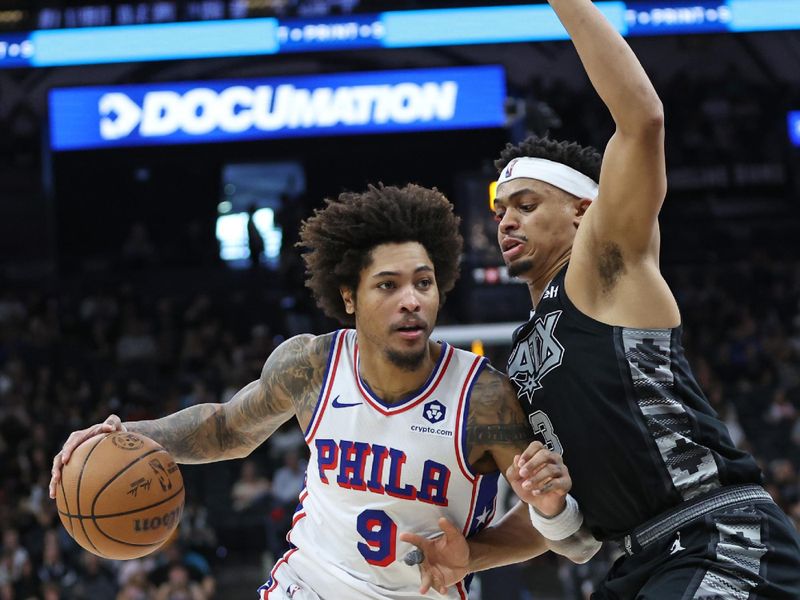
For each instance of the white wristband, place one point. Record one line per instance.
(561, 526)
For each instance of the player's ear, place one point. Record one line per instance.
(580, 209)
(349, 301)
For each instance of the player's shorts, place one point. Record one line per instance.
(284, 584)
(744, 552)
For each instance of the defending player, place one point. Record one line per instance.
(600, 367)
(403, 432)
(661, 477)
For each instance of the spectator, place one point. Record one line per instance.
(95, 579)
(192, 566)
(54, 569)
(255, 241)
(288, 438)
(289, 479)
(196, 531)
(138, 249)
(26, 587)
(250, 488)
(179, 586)
(51, 591)
(14, 557)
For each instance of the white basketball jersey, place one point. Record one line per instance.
(377, 469)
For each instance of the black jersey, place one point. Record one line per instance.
(625, 411)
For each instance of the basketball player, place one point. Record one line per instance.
(600, 368)
(404, 433)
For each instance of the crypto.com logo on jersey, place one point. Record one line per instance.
(316, 105)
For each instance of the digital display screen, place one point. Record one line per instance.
(794, 127)
(315, 105)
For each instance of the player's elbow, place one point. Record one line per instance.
(651, 121)
(645, 123)
(654, 118)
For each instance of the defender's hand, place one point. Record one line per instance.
(446, 557)
(75, 439)
(540, 478)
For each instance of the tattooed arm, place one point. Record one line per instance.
(289, 384)
(537, 475)
(499, 437)
(498, 433)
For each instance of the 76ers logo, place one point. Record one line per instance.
(535, 356)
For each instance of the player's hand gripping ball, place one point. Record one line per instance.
(120, 496)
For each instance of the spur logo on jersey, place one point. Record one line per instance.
(379, 470)
(409, 100)
(434, 411)
(535, 356)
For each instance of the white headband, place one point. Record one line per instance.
(556, 174)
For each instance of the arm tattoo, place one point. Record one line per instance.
(495, 417)
(193, 435)
(498, 434)
(297, 374)
(289, 385)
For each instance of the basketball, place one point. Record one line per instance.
(120, 496)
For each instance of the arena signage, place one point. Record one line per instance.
(678, 17)
(225, 111)
(99, 34)
(794, 127)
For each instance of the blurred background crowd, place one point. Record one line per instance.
(68, 359)
(115, 296)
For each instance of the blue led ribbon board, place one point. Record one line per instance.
(391, 29)
(794, 127)
(764, 15)
(272, 108)
(167, 41)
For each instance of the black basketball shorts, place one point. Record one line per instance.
(743, 553)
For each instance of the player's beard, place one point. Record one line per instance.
(408, 361)
(520, 267)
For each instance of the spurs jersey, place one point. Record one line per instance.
(377, 469)
(624, 409)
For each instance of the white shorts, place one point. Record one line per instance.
(284, 584)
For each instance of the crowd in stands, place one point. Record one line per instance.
(68, 360)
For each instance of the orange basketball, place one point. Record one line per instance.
(121, 495)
